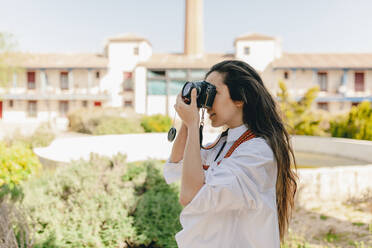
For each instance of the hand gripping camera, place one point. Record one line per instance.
(205, 93)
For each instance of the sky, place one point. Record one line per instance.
(75, 26)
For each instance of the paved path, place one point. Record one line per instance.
(70, 146)
(136, 146)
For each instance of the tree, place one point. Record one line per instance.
(299, 115)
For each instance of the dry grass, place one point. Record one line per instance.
(332, 223)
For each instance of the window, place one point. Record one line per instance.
(135, 51)
(11, 104)
(97, 104)
(198, 74)
(63, 108)
(359, 81)
(127, 82)
(247, 50)
(323, 81)
(155, 73)
(323, 105)
(128, 103)
(31, 109)
(64, 80)
(175, 87)
(97, 74)
(31, 80)
(156, 87)
(286, 75)
(355, 104)
(177, 73)
(84, 103)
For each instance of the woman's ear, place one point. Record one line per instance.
(239, 104)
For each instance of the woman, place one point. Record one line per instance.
(240, 191)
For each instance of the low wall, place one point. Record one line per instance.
(336, 183)
(350, 148)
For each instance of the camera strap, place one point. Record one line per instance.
(247, 135)
(201, 128)
(172, 131)
(202, 122)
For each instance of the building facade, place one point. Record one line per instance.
(129, 75)
(46, 86)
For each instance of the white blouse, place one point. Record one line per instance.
(236, 207)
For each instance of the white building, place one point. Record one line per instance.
(47, 86)
(129, 75)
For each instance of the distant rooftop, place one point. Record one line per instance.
(182, 61)
(253, 37)
(324, 60)
(127, 37)
(57, 60)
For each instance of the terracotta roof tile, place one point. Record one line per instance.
(52, 60)
(254, 37)
(127, 37)
(173, 60)
(324, 60)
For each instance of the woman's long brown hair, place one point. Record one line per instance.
(261, 115)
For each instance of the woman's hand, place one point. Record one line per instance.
(189, 114)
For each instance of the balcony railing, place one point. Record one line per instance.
(54, 93)
(52, 90)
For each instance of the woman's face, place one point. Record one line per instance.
(224, 110)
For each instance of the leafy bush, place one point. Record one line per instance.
(17, 163)
(83, 205)
(156, 123)
(41, 137)
(117, 125)
(103, 203)
(156, 216)
(357, 124)
(100, 121)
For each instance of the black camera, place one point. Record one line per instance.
(205, 93)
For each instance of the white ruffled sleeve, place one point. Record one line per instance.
(172, 172)
(237, 182)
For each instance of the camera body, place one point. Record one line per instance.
(205, 93)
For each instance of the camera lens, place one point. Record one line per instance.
(186, 89)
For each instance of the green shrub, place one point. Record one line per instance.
(156, 123)
(102, 203)
(157, 212)
(17, 163)
(41, 137)
(357, 124)
(117, 125)
(100, 121)
(82, 205)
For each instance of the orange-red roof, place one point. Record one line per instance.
(128, 37)
(253, 37)
(56, 60)
(324, 60)
(173, 60)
